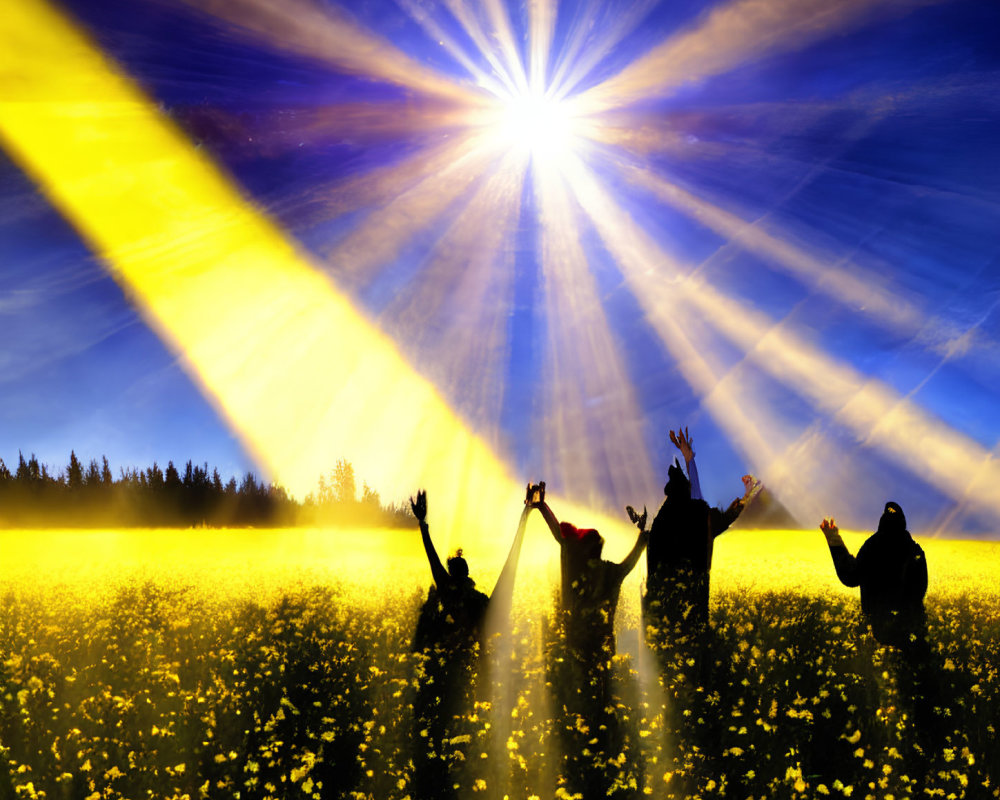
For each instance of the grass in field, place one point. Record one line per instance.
(270, 681)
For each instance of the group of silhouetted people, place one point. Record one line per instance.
(890, 570)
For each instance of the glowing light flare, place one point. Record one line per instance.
(297, 372)
(536, 124)
(329, 33)
(455, 312)
(851, 285)
(381, 236)
(895, 425)
(728, 36)
(592, 435)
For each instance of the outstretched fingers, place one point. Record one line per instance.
(639, 520)
(419, 506)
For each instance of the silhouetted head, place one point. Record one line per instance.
(458, 567)
(587, 541)
(892, 520)
(678, 486)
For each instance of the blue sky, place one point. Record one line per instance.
(873, 149)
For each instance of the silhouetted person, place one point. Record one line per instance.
(891, 570)
(450, 632)
(679, 559)
(590, 730)
(455, 610)
(590, 587)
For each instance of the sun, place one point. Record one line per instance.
(536, 124)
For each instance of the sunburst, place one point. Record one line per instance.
(283, 341)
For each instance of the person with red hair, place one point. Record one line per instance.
(590, 586)
(590, 730)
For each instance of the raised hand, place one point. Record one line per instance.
(535, 494)
(829, 527)
(682, 441)
(419, 505)
(639, 520)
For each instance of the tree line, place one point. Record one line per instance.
(91, 496)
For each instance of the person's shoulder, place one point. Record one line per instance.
(870, 546)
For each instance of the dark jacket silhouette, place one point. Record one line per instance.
(679, 559)
(891, 570)
(450, 629)
(591, 587)
(454, 614)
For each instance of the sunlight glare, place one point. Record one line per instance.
(536, 123)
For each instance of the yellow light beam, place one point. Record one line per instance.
(728, 36)
(593, 432)
(873, 411)
(300, 375)
(329, 34)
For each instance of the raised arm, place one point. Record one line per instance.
(721, 520)
(438, 572)
(505, 583)
(549, 517)
(682, 441)
(845, 564)
(628, 564)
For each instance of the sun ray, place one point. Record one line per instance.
(295, 369)
(496, 10)
(382, 235)
(876, 414)
(848, 283)
(812, 467)
(730, 35)
(582, 53)
(473, 27)
(541, 27)
(454, 313)
(329, 34)
(425, 19)
(375, 188)
(592, 434)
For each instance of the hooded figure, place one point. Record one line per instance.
(891, 570)
(679, 559)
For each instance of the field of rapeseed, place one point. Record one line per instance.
(149, 684)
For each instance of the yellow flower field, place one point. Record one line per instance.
(208, 664)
